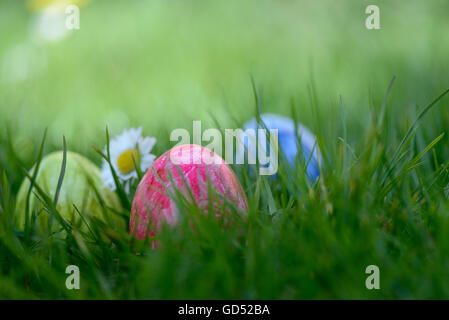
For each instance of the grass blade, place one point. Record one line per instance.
(62, 173)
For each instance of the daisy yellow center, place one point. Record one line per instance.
(125, 161)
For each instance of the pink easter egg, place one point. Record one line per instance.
(192, 170)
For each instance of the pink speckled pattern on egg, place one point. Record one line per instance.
(189, 167)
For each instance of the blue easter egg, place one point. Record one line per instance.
(287, 141)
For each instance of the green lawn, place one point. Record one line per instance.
(382, 197)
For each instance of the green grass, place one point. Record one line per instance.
(382, 198)
(380, 201)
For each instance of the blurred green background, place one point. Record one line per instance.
(161, 63)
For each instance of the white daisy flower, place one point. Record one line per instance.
(49, 24)
(125, 150)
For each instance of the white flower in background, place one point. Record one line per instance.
(49, 21)
(49, 24)
(126, 150)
